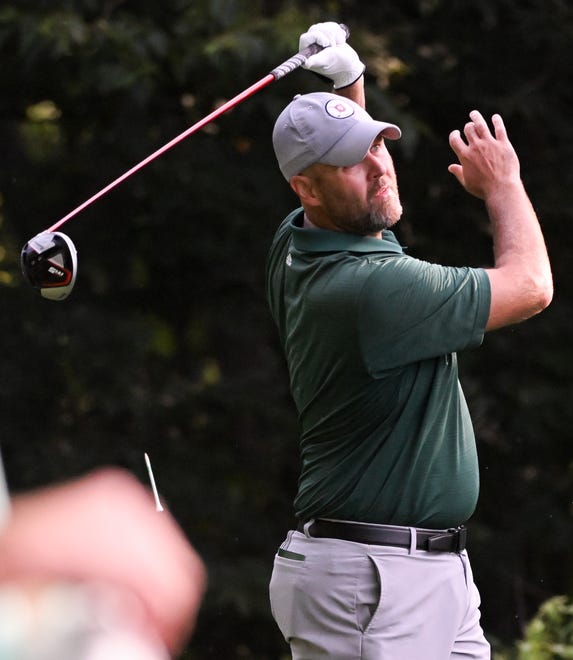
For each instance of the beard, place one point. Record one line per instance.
(382, 212)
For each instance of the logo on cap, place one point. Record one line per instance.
(338, 109)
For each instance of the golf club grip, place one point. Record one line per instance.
(300, 58)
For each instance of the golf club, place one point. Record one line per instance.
(51, 265)
(49, 262)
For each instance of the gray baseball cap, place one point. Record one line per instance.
(325, 128)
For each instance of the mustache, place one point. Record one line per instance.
(383, 185)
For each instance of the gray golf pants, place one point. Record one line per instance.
(349, 601)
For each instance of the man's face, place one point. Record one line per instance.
(362, 199)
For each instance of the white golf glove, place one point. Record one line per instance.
(338, 61)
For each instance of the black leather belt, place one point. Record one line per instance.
(432, 540)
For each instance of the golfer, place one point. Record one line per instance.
(377, 567)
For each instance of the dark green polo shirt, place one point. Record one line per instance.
(370, 336)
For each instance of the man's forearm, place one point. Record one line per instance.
(522, 284)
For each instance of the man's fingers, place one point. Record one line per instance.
(499, 127)
(459, 147)
(471, 131)
(479, 127)
(456, 142)
(479, 123)
(457, 171)
(323, 34)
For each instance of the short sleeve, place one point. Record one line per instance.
(410, 310)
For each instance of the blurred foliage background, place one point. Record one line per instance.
(166, 345)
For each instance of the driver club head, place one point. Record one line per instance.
(49, 262)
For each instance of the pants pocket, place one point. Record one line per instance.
(368, 594)
(286, 578)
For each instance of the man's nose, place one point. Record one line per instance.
(376, 164)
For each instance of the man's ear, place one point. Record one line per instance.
(304, 187)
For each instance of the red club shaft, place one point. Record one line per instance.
(282, 70)
(192, 129)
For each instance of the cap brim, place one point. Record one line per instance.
(355, 143)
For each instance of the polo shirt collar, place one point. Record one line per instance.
(323, 240)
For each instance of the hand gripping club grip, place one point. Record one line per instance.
(300, 58)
